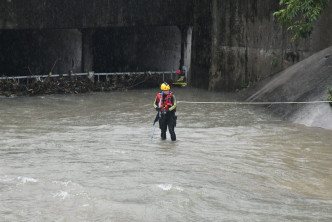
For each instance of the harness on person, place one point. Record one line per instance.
(165, 103)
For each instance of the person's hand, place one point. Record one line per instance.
(158, 109)
(165, 112)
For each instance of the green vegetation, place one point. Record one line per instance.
(298, 15)
(273, 62)
(329, 96)
(246, 85)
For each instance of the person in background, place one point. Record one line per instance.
(178, 72)
(165, 102)
(181, 75)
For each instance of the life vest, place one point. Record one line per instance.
(166, 102)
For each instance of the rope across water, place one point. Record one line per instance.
(255, 103)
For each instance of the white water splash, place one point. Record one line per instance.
(62, 194)
(27, 180)
(64, 183)
(165, 186)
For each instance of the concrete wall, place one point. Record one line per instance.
(114, 35)
(242, 42)
(234, 42)
(60, 14)
(201, 45)
(307, 80)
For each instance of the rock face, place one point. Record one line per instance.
(305, 81)
(238, 41)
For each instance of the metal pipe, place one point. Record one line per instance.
(85, 74)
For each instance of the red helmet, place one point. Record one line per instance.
(178, 71)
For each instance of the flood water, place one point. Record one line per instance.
(89, 157)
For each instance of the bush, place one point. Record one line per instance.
(299, 15)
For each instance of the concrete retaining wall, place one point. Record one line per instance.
(307, 80)
(239, 41)
(60, 14)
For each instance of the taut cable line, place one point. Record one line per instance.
(254, 103)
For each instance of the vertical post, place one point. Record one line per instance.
(183, 30)
(91, 76)
(186, 39)
(187, 50)
(87, 53)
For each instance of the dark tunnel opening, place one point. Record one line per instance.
(36, 52)
(130, 49)
(18, 48)
(120, 49)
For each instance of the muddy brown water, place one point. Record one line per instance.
(89, 157)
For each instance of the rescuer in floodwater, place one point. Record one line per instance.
(165, 102)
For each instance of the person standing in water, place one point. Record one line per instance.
(165, 102)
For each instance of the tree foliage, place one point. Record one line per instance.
(298, 15)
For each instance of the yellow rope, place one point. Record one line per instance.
(255, 103)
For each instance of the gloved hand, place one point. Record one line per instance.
(158, 109)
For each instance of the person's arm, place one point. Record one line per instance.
(155, 104)
(174, 103)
